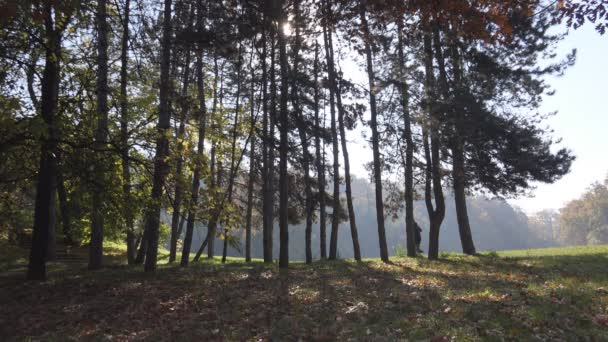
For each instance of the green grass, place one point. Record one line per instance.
(545, 294)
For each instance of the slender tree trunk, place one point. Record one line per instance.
(214, 220)
(202, 123)
(432, 154)
(215, 166)
(375, 137)
(266, 218)
(124, 135)
(44, 211)
(319, 163)
(252, 170)
(233, 166)
(161, 166)
(284, 120)
(66, 218)
(459, 167)
(335, 223)
(349, 191)
(457, 145)
(101, 136)
(269, 195)
(409, 149)
(301, 123)
(179, 177)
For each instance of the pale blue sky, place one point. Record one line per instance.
(582, 122)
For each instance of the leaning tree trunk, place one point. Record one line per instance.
(44, 210)
(335, 222)
(319, 163)
(409, 148)
(179, 177)
(349, 191)
(375, 136)
(124, 136)
(101, 136)
(161, 167)
(200, 151)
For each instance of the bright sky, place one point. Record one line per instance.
(582, 122)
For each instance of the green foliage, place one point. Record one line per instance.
(585, 220)
(400, 251)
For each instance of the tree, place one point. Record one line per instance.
(162, 146)
(55, 21)
(101, 136)
(374, 126)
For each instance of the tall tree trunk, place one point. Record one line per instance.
(456, 143)
(284, 120)
(432, 155)
(409, 148)
(161, 166)
(66, 218)
(335, 222)
(124, 135)
(251, 180)
(202, 122)
(319, 163)
(269, 194)
(101, 136)
(458, 164)
(214, 220)
(458, 170)
(44, 210)
(215, 166)
(349, 191)
(233, 165)
(266, 219)
(301, 123)
(179, 177)
(375, 138)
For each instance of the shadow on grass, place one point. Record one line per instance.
(466, 297)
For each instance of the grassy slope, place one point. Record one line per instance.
(549, 294)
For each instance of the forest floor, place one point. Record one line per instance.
(552, 294)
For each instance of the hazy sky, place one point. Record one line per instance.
(582, 122)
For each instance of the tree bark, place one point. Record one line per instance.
(375, 136)
(101, 136)
(44, 210)
(269, 194)
(161, 167)
(62, 195)
(349, 192)
(301, 123)
(177, 200)
(335, 222)
(409, 148)
(319, 163)
(432, 156)
(124, 136)
(251, 180)
(284, 128)
(266, 220)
